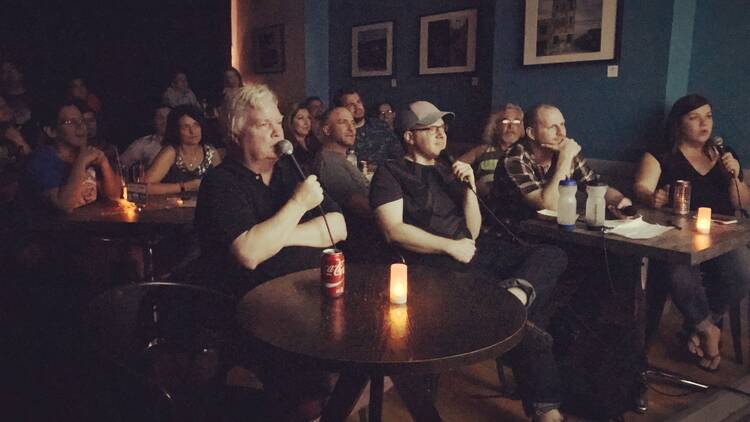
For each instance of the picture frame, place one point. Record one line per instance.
(372, 49)
(268, 49)
(563, 31)
(448, 42)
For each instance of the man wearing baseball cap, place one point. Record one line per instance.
(429, 211)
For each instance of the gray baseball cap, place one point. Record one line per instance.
(420, 114)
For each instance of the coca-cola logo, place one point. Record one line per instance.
(335, 270)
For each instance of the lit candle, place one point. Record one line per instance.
(398, 284)
(124, 192)
(703, 222)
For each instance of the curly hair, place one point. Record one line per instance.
(491, 129)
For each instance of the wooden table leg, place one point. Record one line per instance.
(348, 389)
(376, 398)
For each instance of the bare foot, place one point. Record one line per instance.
(553, 415)
(709, 338)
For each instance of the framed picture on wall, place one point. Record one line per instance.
(268, 49)
(372, 49)
(448, 42)
(560, 31)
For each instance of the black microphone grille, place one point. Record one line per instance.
(284, 147)
(447, 157)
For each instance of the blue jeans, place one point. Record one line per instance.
(535, 368)
(709, 289)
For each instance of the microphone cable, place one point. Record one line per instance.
(514, 237)
(720, 149)
(284, 147)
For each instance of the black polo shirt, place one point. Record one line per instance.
(433, 201)
(232, 199)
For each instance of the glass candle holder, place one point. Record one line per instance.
(398, 284)
(703, 220)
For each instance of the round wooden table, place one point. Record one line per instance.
(450, 320)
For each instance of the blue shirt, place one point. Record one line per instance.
(376, 142)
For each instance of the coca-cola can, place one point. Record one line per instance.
(332, 272)
(681, 197)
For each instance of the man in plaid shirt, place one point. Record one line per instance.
(528, 178)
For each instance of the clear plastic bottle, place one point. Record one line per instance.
(566, 204)
(595, 204)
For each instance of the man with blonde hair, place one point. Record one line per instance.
(256, 220)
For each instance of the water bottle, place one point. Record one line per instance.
(595, 204)
(566, 204)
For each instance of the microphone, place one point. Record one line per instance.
(285, 148)
(721, 149)
(448, 158)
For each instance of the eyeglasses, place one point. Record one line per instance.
(508, 121)
(73, 122)
(386, 113)
(433, 130)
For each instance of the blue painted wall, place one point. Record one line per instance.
(316, 49)
(611, 118)
(665, 49)
(720, 68)
(452, 92)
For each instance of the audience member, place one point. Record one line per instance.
(316, 107)
(702, 293)
(503, 129)
(93, 131)
(232, 81)
(179, 92)
(375, 140)
(15, 93)
(347, 186)
(69, 173)
(386, 113)
(533, 167)
(146, 148)
(185, 157)
(256, 221)
(298, 127)
(13, 150)
(430, 212)
(77, 88)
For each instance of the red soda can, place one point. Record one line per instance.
(332, 272)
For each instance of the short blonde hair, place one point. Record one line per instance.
(491, 129)
(246, 97)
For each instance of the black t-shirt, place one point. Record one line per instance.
(433, 201)
(709, 190)
(232, 199)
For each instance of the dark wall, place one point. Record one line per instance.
(611, 118)
(720, 67)
(452, 92)
(127, 49)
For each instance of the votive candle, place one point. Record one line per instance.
(703, 221)
(399, 284)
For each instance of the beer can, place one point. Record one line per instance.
(332, 272)
(681, 197)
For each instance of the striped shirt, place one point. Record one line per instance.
(520, 175)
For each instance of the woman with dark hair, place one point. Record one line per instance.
(232, 80)
(185, 157)
(702, 293)
(297, 125)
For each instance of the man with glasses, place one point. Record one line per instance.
(430, 212)
(375, 140)
(528, 178)
(503, 129)
(69, 173)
